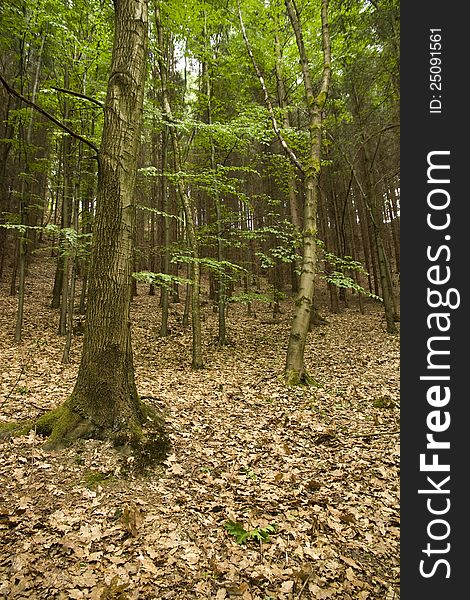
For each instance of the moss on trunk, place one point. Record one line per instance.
(104, 403)
(292, 377)
(145, 440)
(63, 426)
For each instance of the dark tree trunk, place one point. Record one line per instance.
(104, 402)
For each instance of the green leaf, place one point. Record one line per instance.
(159, 212)
(241, 535)
(237, 531)
(161, 279)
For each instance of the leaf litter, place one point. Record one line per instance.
(316, 467)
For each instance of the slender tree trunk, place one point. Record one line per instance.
(295, 371)
(187, 300)
(69, 298)
(197, 361)
(221, 283)
(61, 276)
(395, 224)
(87, 211)
(292, 187)
(21, 285)
(69, 316)
(24, 238)
(6, 144)
(165, 292)
(374, 206)
(14, 270)
(64, 250)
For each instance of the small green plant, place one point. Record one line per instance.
(384, 402)
(249, 473)
(241, 535)
(92, 478)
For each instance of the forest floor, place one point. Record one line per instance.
(317, 466)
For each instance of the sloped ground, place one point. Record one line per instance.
(318, 465)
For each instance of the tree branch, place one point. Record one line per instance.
(77, 136)
(78, 95)
(290, 153)
(318, 102)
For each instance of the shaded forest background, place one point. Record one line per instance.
(245, 194)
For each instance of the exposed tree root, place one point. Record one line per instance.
(294, 378)
(146, 442)
(16, 428)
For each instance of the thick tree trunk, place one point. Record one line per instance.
(104, 402)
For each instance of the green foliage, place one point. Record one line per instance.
(341, 280)
(284, 248)
(344, 263)
(249, 473)
(384, 402)
(247, 297)
(74, 242)
(162, 279)
(159, 212)
(241, 535)
(276, 255)
(92, 478)
(215, 182)
(12, 220)
(338, 276)
(265, 260)
(221, 267)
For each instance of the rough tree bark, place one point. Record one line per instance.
(104, 403)
(165, 292)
